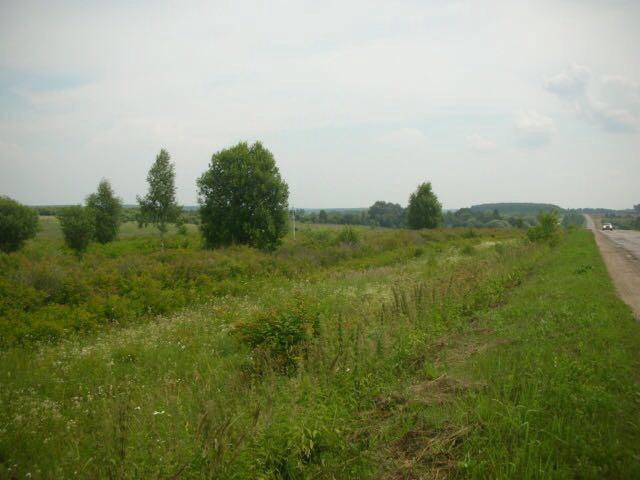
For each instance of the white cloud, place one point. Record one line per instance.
(570, 83)
(613, 102)
(534, 129)
(480, 144)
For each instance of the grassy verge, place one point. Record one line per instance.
(545, 386)
(512, 361)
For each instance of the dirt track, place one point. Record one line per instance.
(621, 253)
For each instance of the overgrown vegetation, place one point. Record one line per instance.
(515, 361)
(48, 293)
(547, 230)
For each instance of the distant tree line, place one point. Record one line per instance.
(393, 215)
(243, 200)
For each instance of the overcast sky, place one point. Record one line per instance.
(358, 100)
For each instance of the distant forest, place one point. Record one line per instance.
(393, 215)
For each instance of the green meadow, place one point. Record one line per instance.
(348, 352)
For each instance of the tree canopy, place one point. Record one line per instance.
(18, 224)
(78, 227)
(106, 208)
(159, 206)
(243, 199)
(424, 210)
(387, 214)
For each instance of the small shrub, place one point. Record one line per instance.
(18, 224)
(282, 335)
(547, 230)
(469, 234)
(349, 236)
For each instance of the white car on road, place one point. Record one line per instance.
(607, 226)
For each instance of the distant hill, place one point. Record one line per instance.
(515, 208)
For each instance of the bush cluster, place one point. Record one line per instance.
(547, 230)
(279, 336)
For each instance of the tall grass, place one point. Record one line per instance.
(514, 361)
(48, 293)
(247, 386)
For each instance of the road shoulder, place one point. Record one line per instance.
(623, 268)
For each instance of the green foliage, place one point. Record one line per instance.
(47, 294)
(18, 224)
(78, 227)
(279, 337)
(158, 206)
(547, 229)
(386, 214)
(348, 235)
(622, 221)
(515, 209)
(573, 219)
(243, 199)
(106, 209)
(484, 218)
(424, 210)
(424, 368)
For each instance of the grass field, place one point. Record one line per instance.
(384, 354)
(47, 292)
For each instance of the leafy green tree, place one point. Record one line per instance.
(637, 209)
(323, 217)
(78, 227)
(159, 207)
(106, 208)
(18, 223)
(243, 199)
(386, 214)
(424, 210)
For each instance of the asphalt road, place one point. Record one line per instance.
(620, 251)
(629, 240)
